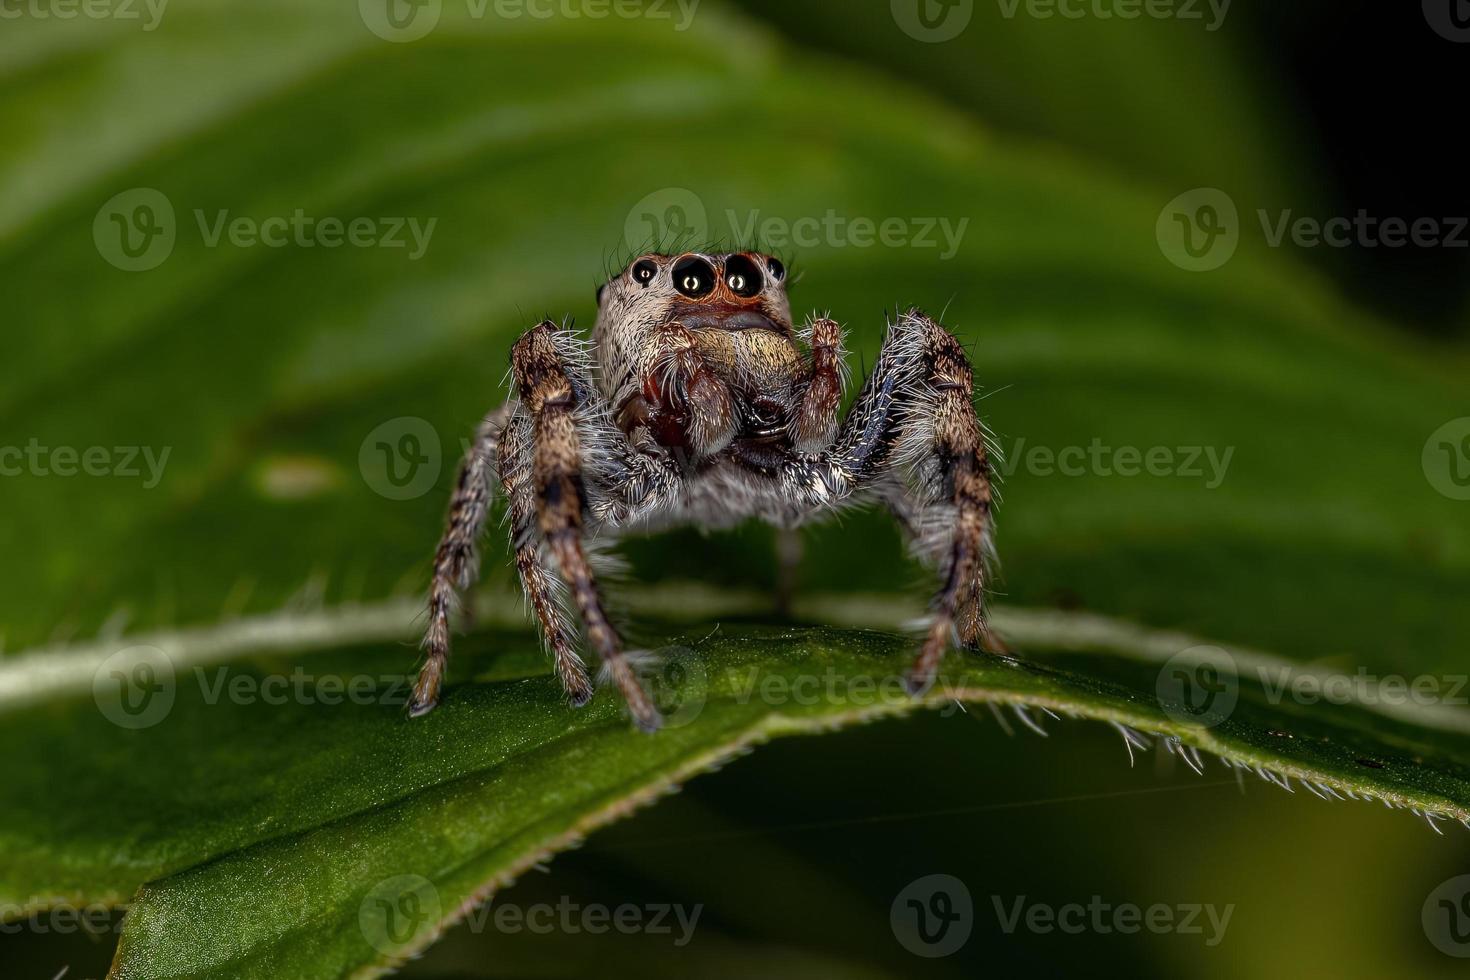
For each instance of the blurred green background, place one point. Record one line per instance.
(542, 148)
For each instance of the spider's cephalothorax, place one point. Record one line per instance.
(698, 402)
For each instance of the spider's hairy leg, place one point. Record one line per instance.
(538, 579)
(683, 378)
(942, 439)
(915, 413)
(815, 421)
(456, 563)
(557, 477)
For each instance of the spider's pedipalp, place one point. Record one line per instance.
(815, 423)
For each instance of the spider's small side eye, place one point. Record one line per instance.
(743, 276)
(643, 273)
(778, 270)
(600, 290)
(694, 277)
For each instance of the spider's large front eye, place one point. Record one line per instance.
(743, 276)
(694, 277)
(643, 272)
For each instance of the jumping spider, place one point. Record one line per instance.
(695, 404)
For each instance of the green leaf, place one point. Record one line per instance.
(1169, 99)
(267, 540)
(319, 832)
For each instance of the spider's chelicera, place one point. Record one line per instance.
(698, 402)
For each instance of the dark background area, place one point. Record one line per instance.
(1366, 91)
(1379, 94)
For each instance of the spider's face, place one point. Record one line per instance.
(734, 292)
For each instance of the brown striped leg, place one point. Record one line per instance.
(956, 454)
(815, 422)
(556, 474)
(456, 563)
(538, 579)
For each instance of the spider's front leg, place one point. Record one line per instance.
(916, 413)
(556, 478)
